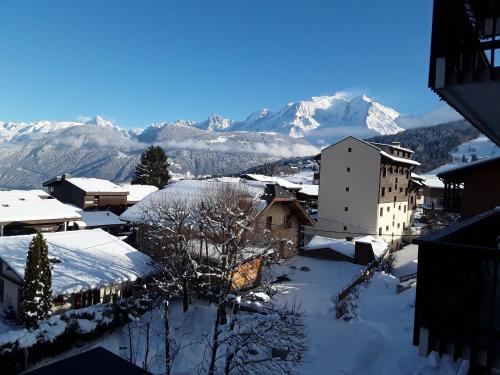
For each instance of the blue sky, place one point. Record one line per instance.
(138, 62)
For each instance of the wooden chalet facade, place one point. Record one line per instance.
(88, 193)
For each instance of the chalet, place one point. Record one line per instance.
(472, 188)
(457, 304)
(31, 211)
(88, 193)
(364, 189)
(88, 267)
(433, 192)
(278, 209)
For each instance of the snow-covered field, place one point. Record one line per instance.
(377, 341)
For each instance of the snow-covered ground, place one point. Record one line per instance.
(377, 341)
(304, 177)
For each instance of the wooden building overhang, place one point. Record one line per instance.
(457, 310)
(464, 69)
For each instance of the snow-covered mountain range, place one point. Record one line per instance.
(32, 152)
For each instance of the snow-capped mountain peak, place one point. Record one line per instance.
(100, 121)
(215, 122)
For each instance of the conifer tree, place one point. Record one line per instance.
(37, 289)
(153, 168)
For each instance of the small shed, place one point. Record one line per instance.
(361, 250)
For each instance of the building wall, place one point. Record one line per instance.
(67, 193)
(481, 191)
(394, 220)
(279, 212)
(361, 199)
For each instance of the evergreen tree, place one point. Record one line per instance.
(37, 289)
(153, 168)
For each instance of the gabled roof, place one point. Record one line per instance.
(273, 180)
(192, 192)
(89, 184)
(81, 259)
(382, 152)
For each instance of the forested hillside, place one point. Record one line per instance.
(432, 145)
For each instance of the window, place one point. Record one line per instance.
(390, 189)
(406, 191)
(411, 199)
(348, 169)
(396, 180)
(346, 208)
(384, 172)
(404, 225)
(386, 228)
(345, 227)
(347, 188)
(398, 225)
(269, 222)
(383, 192)
(381, 211)
(287, 221)
(388, 208)
(400, 189)
(404, 208)
(407, 175)
(390, 170)
(380, 231)
(349, 149)
(58, 301)
(399, 208)
(394, 199)
(78, 301)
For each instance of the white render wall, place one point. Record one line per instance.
(361, 199)
(394, 215)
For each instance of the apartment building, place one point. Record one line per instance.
(364, 190)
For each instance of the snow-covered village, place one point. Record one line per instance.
(351, 225)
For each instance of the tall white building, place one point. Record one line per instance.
(364, 190)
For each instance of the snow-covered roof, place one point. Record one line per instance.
(379, 247)
(96, 185)
(417, 176)
(275, 180)
(138, 192)
(312, 190)
(84, 259)
(192, 192)
(99, 218)
(433, 181)
(398, 159)
(345, 247)
(406, 261)
(31, 206)
(341, 246)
